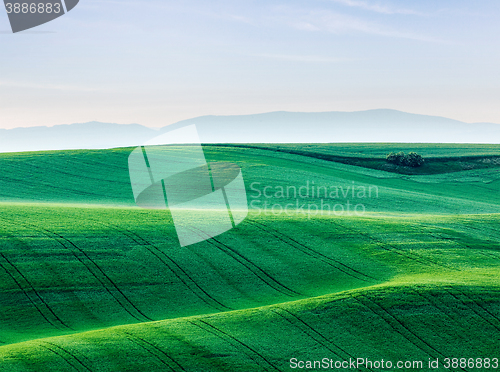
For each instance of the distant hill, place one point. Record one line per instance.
(92, 135)
(276, 127)
(361, 126)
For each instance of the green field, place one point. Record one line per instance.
(89, 282)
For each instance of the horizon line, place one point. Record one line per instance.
(251, 114)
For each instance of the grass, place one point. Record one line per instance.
(90, 282)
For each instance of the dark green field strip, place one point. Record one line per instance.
(380, 150)
(436, 164)
(392, 322)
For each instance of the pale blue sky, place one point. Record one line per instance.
(156, 62)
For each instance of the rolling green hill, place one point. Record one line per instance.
(89, 282)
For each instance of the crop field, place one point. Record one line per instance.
(338, 259)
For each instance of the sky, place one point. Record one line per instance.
(155, 62)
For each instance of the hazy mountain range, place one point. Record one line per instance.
(362, 126)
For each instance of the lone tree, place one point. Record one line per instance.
(412, 159)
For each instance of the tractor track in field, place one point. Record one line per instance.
(38, 302)
(398, 326)
(178, 336)
(66, 359)
(237, 344)
(308, 329)
(60, 356)
(253, 268)
(436, 303)
(313, 253)
(98, 273)
(380, 243)
(154, 350)
(449, 291)
(103, 278)
(482, 309)
(490, 254)
(439, 306)
(26, 248)
(459, 242)
(456, 238)
(174, 267)
(490, 232)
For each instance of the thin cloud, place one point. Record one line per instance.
(377, 7)
(317, 20)
(328, 21)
